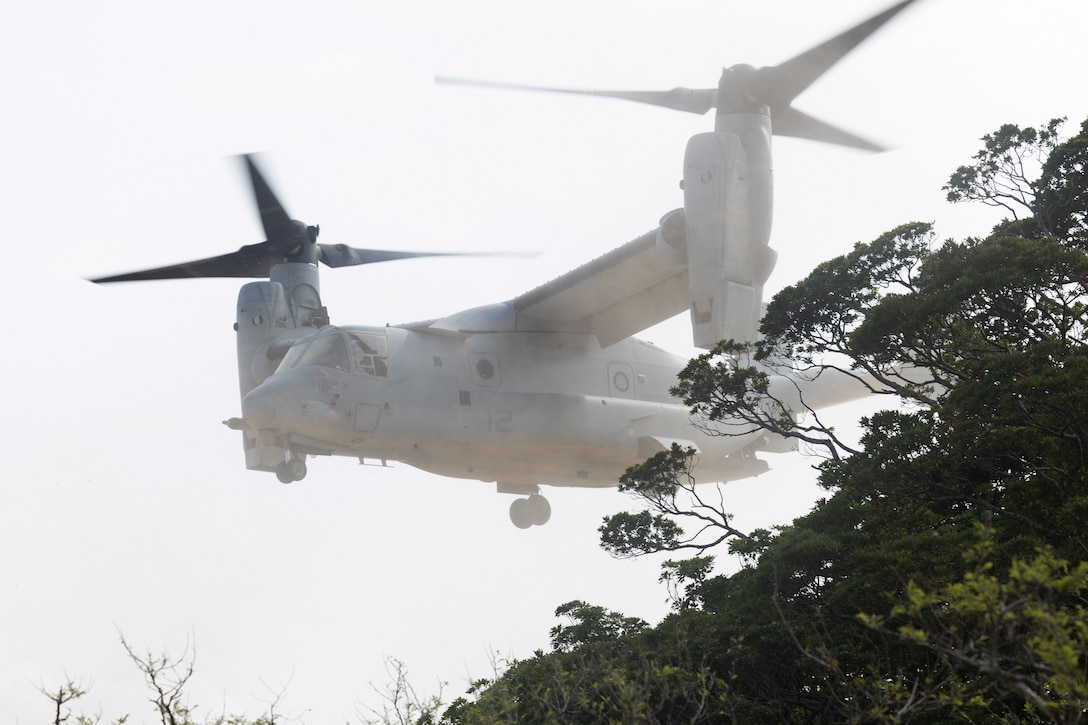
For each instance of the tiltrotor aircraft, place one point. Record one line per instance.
(549, 387)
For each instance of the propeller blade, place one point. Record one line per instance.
(679, 99)
(798, 124)
(288, 241)
(253, 260)
(341, 255)
(274, 218)
(778, 85)
(744, 89)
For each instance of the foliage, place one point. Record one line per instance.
(689, 574)
(658, 482)
(591, 624)
(867, 609)
(1025, 631)
(1002, 174)
(632, 679)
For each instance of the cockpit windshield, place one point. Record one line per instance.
(325, 350)
(364, 351)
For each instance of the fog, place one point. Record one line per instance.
(127, 508)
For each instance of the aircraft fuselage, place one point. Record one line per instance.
(517, 408)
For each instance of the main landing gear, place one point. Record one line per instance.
(532, 511)
(291, 470)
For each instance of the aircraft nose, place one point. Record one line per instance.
(259, 407)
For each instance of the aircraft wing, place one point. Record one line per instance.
(615, 296)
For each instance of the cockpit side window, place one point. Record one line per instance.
(370, 352)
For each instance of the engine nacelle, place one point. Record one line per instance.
(271, 316)
(267, 311)
(727, 223)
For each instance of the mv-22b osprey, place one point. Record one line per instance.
(549, 387)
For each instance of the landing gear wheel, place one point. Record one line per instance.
(520, 513)
(532, 511)
(539, 509)
(292, 470)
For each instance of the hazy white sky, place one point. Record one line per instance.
(127, 507)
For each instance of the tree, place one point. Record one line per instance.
(591, 624)
(166, 677)
(1005, 173)
(665, 484)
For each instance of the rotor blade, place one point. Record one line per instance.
(274, 218)
(778, 85)
(679, 99)
(798, 124)
(341, 255)
(254, 260)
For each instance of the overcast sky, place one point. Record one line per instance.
(127, 507)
